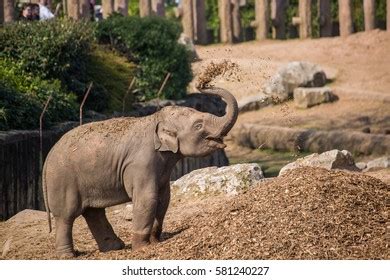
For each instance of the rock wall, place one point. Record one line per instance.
(292, 139)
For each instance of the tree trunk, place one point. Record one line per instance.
(388, 16)
(85, 11)
(9, 10)
(236, 19)
(261, 23)
(158, 7)
(325, 18)
(369, 14)
(345, 17)
(278, 12)
(225, 17)
(73, 9)
(304, 19)
(145, 8)
(188, 18)
(108, 7)
(1, 11)
(200, 31)
(122, 7)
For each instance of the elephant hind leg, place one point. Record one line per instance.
(102, 230)
(64, 240)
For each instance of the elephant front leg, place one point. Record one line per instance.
(162, 207)
(145, 204)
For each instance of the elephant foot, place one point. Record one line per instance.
(155, 236)
(65, 253)
(111, 245)
(140, 240)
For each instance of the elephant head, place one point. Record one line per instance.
(189, 132)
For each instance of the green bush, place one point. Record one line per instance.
(50, 49)
(151, 43)
(22, 98)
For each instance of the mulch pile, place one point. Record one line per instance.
(226, 68)
(309, 213)
(306, 214)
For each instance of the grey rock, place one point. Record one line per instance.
(334, 159)
(128, 212)
(254, 102)
(212, 180)
(361, 165)
(309, 97)
(377, 164)
(294, 74)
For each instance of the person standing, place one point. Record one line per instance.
(44, 12)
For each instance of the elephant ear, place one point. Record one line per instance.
(165, 138)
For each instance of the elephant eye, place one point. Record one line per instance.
(198, 126)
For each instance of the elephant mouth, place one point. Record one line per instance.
(216, 142)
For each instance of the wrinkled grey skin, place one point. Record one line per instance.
(106, 163)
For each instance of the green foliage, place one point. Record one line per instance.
(113, 73)
(22, 97)
(151, 43)
(50, 49)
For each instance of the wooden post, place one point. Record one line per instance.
(369, 14)
(225, 16)
(278, 12)
(188, 18)
(1, 11)
(122, 7)
(304, 19)
(345, 17)
(261, 23)
(108, 7)
(388, 16)
(9, 10)
(236, 20)
(324, 8)
(85, 11)
(200, 31)
(73, 9)
(158, 7)
(145, 8)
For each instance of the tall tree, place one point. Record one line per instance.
(200, 21)
(73, 9)
(236, 20)
(388, 16)
(108, 7)
(345, 17)
(9, 10)
(1, 11)
(158, 7)
(261, 22)
(369, 14)
(324, 7)
(225, 16)
(187, 8)
(145, 8)
(85, 10)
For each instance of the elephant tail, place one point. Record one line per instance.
(45, 199)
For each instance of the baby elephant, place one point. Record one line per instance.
(105, 163)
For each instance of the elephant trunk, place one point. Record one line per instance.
(222, 125)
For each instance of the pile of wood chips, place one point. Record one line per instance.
(309, 213)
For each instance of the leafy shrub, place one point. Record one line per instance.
(50, 49)
(22, 97)
(151, 43)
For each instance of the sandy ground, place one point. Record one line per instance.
(359, 66)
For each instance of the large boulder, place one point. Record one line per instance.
(334, 159)
(377, 164)
(293, 75)
(309, 97)
(254, 102)
(212, 180)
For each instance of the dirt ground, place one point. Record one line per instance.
(306, 214)
(359, 66)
